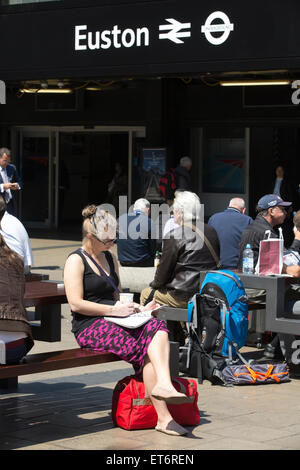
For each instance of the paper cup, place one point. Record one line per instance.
(126, 297)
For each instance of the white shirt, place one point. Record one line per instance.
(277, 186)
(16, 237)
(170, 225)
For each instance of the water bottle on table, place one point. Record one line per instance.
(248, 260)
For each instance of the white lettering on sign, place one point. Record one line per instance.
(225, 27)
(91, 40)
(2, 92)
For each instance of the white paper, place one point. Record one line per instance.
(291, 258)
(133, 321)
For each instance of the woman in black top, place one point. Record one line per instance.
(92, 295)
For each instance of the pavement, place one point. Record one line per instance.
(71, 409)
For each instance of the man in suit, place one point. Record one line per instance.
(9, 181)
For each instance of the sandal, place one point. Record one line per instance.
(172, 429)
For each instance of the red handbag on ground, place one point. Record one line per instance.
(132, 409)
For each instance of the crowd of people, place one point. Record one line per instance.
(92, 281)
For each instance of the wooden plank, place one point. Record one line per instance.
(45, 362)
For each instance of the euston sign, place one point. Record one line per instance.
(147, 38)
(140, 37)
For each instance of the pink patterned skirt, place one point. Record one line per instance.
(129, 344)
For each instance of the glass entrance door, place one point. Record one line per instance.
(37, 160)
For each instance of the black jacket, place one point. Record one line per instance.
(183, 179)
(183, 256)
(254, 233)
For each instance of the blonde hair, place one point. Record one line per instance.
(98, 222)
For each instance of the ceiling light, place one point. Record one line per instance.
(94, 88)
(60, 84)
(255, 82)
(44, 84)
(46, 90)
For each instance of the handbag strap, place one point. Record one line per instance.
(100, 269)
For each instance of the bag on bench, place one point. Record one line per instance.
(133, 409)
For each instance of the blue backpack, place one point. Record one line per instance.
(225, 290)
(218, 326)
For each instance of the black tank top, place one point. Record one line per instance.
(96, 288)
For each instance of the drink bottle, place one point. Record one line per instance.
(248, 260)
(156, 259)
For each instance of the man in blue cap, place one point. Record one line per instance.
(272, 211)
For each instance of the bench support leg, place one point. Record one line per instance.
(174, 359)
(9, 384)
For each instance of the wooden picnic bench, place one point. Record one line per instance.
(47, 297)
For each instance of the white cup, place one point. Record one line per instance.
(126, 297)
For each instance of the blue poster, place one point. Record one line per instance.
(154, 166)
(155, 160)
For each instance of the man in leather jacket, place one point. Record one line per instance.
(184, 255)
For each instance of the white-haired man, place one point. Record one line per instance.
(184, 255)
(136, 243)
(229, 226)
(182, 174)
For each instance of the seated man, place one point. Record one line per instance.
(272, 211)
(136, 243)
(184, 255)
(229, 226)
(15, 236)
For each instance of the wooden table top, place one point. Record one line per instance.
(44, 292)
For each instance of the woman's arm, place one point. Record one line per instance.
(73, 280)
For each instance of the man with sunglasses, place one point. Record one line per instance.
(271, 212)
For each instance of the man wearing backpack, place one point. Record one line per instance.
(183, 177)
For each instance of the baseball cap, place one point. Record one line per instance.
(272, 200)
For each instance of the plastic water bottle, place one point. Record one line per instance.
(156, 259)
(248, 260)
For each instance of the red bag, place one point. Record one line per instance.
(132, 409)
(270, 258)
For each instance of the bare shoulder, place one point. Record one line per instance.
(74, 261)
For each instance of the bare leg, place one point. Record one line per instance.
(165, 422)
(159, 353)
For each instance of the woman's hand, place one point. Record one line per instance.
(122, 310)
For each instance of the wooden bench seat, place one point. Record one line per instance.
(55, 360)
(50, 361)
(45, 362)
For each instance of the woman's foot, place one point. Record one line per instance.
(172, 428)
(169, 395)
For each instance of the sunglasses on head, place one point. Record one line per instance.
(105, 242)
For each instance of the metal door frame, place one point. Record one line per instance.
(54, 131)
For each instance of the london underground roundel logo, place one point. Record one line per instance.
(224, 27)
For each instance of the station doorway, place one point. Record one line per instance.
(64, 169)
